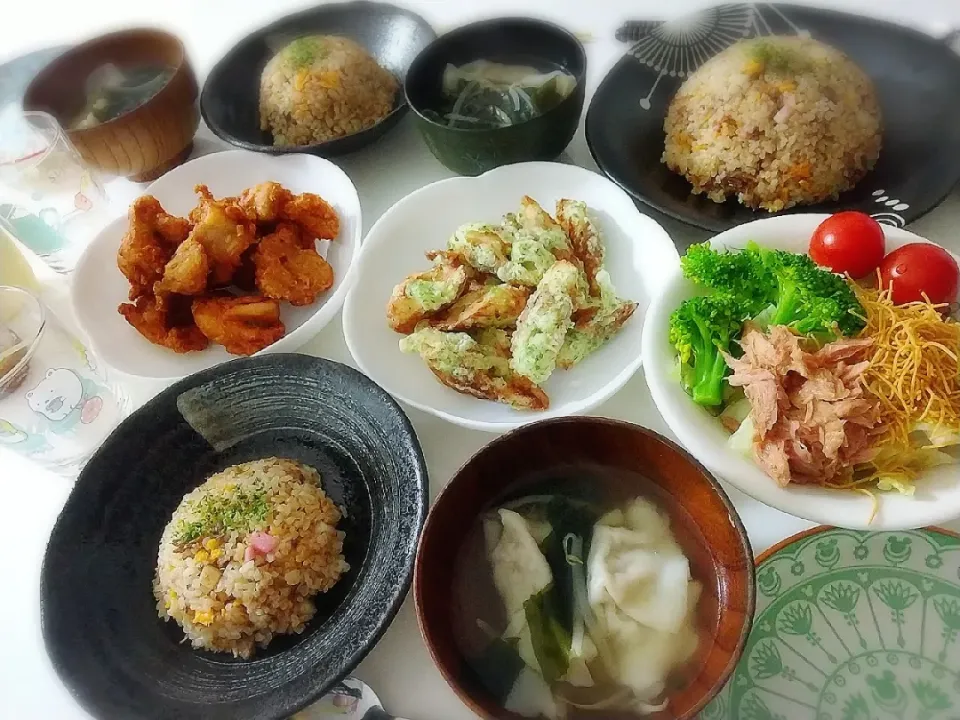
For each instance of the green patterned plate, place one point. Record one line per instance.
(852, 626)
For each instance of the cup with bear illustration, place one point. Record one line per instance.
(56, 404)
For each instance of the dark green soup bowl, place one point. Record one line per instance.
(515, 41)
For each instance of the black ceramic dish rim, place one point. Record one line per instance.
(712, 480)
(915, 212)
(462, 30)
(328, 146)
(405, 577)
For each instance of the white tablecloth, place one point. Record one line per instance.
(399, 668)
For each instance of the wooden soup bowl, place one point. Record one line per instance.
(702, 519)
(145, 142)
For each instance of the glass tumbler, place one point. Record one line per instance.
(49, 199)
(56, 404)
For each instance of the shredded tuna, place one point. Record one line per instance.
(812, 422)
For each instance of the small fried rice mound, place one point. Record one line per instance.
(244, 554)
(774, 122)
(322, 87)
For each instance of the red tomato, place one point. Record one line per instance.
(848, 242)
(919, 269)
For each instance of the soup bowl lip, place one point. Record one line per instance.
(426, 626)
(420, 65)
(180, 67)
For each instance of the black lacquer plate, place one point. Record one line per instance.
(99, 618)
(917, 78)
(230, 96)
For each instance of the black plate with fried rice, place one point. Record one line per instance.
(915, 75)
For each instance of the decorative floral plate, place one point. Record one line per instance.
(911, 70)
(852, 625)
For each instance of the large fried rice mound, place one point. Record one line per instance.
(775, 122)
(322, 87)
(229, 598)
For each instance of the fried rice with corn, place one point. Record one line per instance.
(322, 87)
(774, 122)
(244, 554)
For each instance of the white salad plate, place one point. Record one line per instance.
(937, 496)
(639, 257)
(99, 286)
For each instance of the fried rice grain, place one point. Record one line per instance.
(322, 87)
(774, 122)
(244, 554)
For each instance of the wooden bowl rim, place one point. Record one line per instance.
(419, 579)
(181, 65)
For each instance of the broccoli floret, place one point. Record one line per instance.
(780, 287)
(787, 288)
(809, 299)
(741, 273)
(700, 329)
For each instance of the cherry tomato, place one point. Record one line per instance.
(848, 242)
(919, 269)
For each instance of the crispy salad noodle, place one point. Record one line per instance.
(914, 376)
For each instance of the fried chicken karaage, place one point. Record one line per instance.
(225, 231)
(170, 326)
(172, 230)
(264, 202)
(145, 249)
(262, 242)
(286, 270)
(243, 325)
(313, 214)
(270, 202)
(187, 271)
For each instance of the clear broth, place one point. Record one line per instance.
(113, 91)
(497, 107)
(476, 602)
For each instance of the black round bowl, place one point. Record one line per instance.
(917, 78)
(229, 101)
(512, 40)
(98, 613)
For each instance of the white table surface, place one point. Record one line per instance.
(399, 668)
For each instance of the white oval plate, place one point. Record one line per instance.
(99, 287)
(640, 255)
(937, 497)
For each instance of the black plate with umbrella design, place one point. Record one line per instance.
(917, 78)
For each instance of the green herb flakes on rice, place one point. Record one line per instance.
(244, 554)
